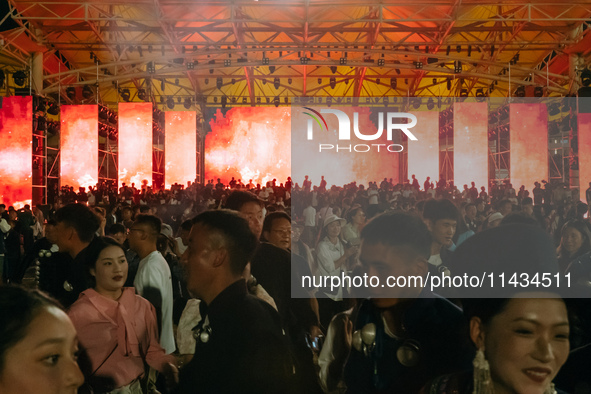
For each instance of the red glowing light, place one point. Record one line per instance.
(249, 143)
(343, 166)
(529, 144)
(135, 154)
(423, 155)
(584, 152)
(180, 147)
(79, 145)
(16, 165)
(471, 144)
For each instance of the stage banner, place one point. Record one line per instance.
(79, 146)
(180, 149)
(16, 162)
(135, 143)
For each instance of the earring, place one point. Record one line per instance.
(550, 389)
(482, 379)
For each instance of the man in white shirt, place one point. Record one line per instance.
(309, 234)
(153, 280)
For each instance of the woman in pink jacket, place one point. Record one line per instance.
(117, 329)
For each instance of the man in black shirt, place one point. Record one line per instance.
(240, 347)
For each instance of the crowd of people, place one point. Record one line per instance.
(199, 289)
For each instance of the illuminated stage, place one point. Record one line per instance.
(266, 143)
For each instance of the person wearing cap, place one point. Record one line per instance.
(494, 220)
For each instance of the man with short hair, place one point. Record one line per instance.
(273, 269)
(441, 218)
(505, 207)
(417, 335)
(240, 344)
(182, 240)
(75, 229)
(153, 279)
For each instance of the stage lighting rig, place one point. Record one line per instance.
(125, 95)
(87, 92)
(170, 103)
(19, 78)
(71, 92)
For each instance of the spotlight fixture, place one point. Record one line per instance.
(289, 80)
(163, 85)
(219, 82)
(271, 69)
(71, 93)
(457, 67)
(434, 81)
(2, 78)
(206, 81)
(377, 81)
(151, 68)
(492, 50)
(430, 103)
(227, 62)
(447, 50)
(187, 103)
(19, 78)
(343, 61)
(393, 82)
(333, 69)
(125, 94)
(458, 48)
(258, 100)
(469, 50)
(244, 100)
(381, 62)
(224, 101)
(264, 81)
(319, 81)
(233, 81)
(170, 103)
(265, 61)
(87, 92)
(141, 94)
(448, 83)
(416, 102)
(304, 60)
(276, 83)
(53, 108)
(464, 92)
(480, 96)
(418, 65)
(190, 65)
(333, 82)
(276, 101)
(538, 91)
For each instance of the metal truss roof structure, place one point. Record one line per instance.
(248, 52)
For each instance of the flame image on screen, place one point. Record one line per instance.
(180, 147)
(423, 155)
(342, 167)
(16, 163)
(79, 145)
(529, 144)
(471, 144)
(135, 143)
(249, 143)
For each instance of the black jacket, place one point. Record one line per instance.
(247, 351)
